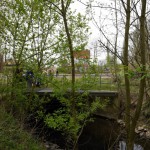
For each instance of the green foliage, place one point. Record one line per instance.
(16, 101)
(93, 69)
(29, 32)
(95, 82)
(36, 33)
(13, 136)
(137, 73)
(63, 120)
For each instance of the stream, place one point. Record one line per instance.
(102, 134)
(106, 134)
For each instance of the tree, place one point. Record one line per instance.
(128, 15)
(72, 39)
(17, 16)
(29, 34)
(28, 37)
(131, 123)
(34, 31)
(43, 35)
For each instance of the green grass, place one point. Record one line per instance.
(84, 83)
(13, 136)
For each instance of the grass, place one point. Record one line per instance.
(13, 136)
(84, 83)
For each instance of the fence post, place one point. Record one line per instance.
(100, 81)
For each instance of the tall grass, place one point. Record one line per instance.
(13, 136)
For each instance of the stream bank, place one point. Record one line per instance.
(102, 134)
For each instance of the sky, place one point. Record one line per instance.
(104, 20)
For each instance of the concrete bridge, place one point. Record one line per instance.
(93, 93)
(111, 110)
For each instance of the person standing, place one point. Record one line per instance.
(56, 73)
(30, 78)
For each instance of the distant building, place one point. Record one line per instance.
(50, 70)
(84, 54)
(81, 60)
(10, 62)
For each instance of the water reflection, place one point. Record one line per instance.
(122, 146)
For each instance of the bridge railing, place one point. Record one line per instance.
(99, 82)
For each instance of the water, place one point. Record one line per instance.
(102, 134)
(105, 134)
(122, 146)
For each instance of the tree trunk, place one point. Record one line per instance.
(71, 53)
(143, 71)
(131, 124)
(127, 82)
(70, 45)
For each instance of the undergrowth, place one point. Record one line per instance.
(13, 136)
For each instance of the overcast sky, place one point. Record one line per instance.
(103, 18)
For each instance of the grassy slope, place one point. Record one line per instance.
(13, 137)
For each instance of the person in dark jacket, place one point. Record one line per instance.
(56, 73)
(30, 78)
